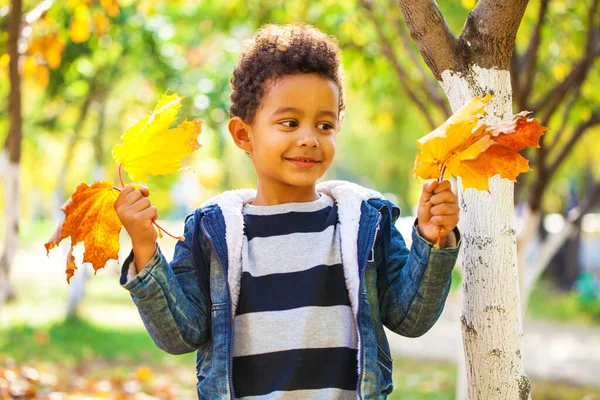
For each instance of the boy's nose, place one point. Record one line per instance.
(308, 140)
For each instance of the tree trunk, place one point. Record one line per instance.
(473, 64)
(491, 319)
(13, 148)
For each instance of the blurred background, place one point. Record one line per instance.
(89, 69)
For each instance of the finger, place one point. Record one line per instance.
(443, 197)
(140, 205)
(444, 220)
(427, 191)
(445, 209)
(124, 193)
(145, 191)
(149, 214)
(133, 196)
(443, 185)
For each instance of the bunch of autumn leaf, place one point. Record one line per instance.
(150, 146)
(462, 147)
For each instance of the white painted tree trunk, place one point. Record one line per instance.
(491, 318)
(12, 204)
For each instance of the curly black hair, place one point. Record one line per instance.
(277, 50)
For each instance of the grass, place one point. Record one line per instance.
(420, 380)
(548, 303)
(76, 340)
(114, 352)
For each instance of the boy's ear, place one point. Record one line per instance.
(239, 132)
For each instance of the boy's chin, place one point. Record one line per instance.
(307, 180)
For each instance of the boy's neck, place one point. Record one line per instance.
(270, 196)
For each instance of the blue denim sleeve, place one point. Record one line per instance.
(168, 297)
(418, 283)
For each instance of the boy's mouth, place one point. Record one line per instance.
(304, 162)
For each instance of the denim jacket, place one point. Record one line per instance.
(189, 304)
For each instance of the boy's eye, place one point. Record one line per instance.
(292, 124)
(325, 126)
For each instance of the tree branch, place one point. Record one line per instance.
(531, 58)
(402, 75)
(556, 95)
(542, 178)
(565, 118)
(575, 136)
(491, 28)
(515, 76)
(440, 48)
(430, 86)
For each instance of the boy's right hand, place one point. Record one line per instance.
(137, 214)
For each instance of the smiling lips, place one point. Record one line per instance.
(304, 161)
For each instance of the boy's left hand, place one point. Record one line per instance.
(438, 207)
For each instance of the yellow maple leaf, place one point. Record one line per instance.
(90, 218)
(455, 148)
(151, 147)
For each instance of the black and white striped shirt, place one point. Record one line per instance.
(295, 335)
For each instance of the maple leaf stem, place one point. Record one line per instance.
(174, 237)
(439, 236)
(157, 225)
(120, 177)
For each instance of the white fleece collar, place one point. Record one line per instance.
(348, 196)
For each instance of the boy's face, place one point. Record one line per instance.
(298, 117)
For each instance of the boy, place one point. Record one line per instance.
(284, 290)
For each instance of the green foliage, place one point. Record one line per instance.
(548, 303)
(456, 280)
(74, 341)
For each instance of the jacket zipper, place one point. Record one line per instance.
(228, 310)
(358, 308)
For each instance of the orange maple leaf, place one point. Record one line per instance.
(455, 149)
(90, 218)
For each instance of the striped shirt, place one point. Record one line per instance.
(294, 331)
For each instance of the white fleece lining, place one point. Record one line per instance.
(231, 203)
